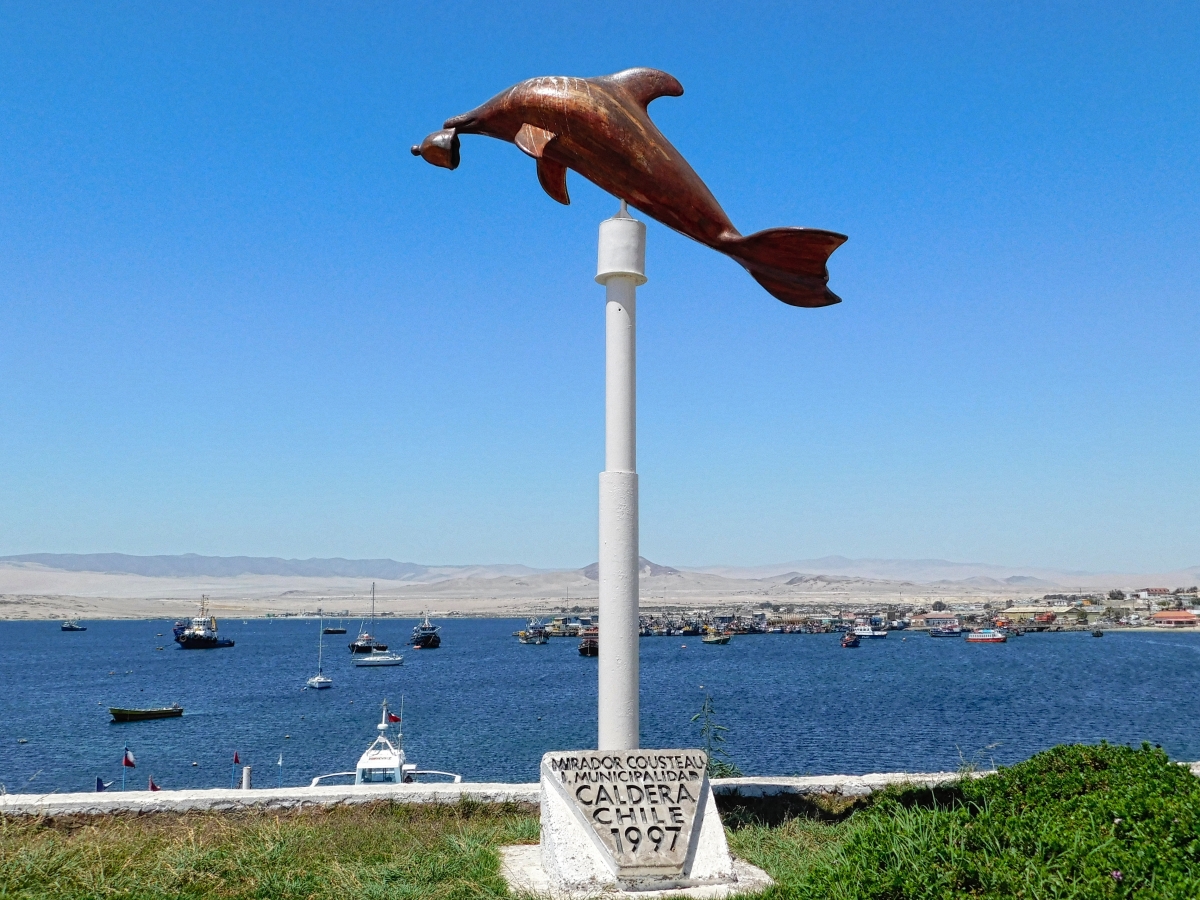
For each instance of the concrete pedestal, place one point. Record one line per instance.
(634, 823)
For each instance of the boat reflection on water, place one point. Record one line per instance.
(385, 762)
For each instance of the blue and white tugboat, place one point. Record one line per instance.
(385, 762)
(201, 632)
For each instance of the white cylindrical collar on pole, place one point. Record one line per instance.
(622, 248)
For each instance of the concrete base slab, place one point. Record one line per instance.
(521, 867)
(222, 799)
(94, 803)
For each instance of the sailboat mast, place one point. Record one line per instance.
(372, 607)
(320, 643)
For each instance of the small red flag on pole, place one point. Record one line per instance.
(153, 786)
(127, 760)
(236, 761)
(392, 717)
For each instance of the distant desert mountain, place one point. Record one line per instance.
(645, 569)
(918, 571)
(944, 573)
(829, 572)
(191, 565)
(984, 583)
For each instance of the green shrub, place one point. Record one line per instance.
(1075, 821)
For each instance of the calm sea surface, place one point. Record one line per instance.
(488, 707)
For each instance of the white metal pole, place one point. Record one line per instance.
(621, 268)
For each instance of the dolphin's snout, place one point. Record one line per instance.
(439, 149)
(461, 122)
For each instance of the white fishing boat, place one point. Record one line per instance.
(378, 658)
(385, 761)
(320, 681)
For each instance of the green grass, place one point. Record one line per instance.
(1056, 826)
(369, 851)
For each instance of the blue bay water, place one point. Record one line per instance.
(488, 707)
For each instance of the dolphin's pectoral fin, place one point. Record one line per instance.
(533, 140)
(553, 178)
(646, 84)
(552, 175)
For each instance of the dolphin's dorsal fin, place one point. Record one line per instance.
(533, 140)
(553, 178)
(647, 84)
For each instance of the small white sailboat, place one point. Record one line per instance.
(320, 680)
(378, 658)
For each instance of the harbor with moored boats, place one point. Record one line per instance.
(485, 686)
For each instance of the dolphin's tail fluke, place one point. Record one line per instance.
(789, 262)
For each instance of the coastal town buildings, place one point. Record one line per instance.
(936, 620)
(1175, 618)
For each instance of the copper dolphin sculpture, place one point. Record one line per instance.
(600, 128)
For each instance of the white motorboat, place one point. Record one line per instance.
(986, 636)
(385, 762)
(866, 631)
(320, 680)
(378, 658)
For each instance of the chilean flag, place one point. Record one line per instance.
(392, 717)
(101, 784)
(153, 786)
(127, 760)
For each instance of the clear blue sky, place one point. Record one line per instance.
(237, 317)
